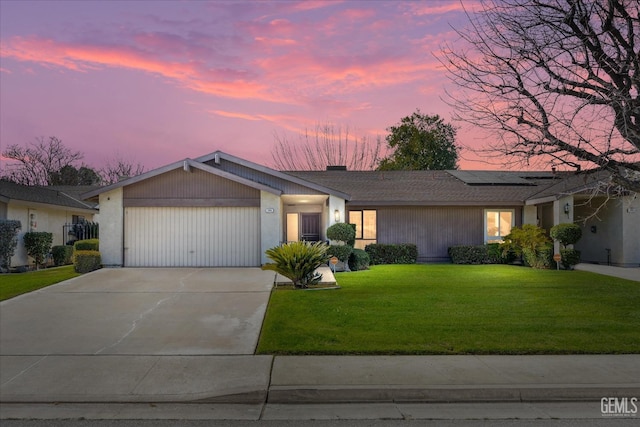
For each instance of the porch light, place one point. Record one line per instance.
(566, 208)
(336, 215)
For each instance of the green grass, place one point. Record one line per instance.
(457, 309)
(12, 285)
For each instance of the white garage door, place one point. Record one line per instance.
(192, 237)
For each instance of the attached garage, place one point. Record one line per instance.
(192, 237)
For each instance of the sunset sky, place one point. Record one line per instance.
(159, 81)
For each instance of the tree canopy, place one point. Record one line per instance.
(557, 81)
(421, 142)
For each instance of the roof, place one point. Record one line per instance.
(572, 183)
(51, 196)
(490, 188)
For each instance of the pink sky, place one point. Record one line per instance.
(156, 82)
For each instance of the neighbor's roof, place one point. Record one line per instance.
(51, 196)
(489, 188)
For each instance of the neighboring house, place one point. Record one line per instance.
(42, 209)
(220, 210)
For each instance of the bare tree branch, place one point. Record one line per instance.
(557, 80)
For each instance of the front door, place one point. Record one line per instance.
(310, 227)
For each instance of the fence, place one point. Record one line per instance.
(80, 231)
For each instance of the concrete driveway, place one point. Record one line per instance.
(137, 335)
(140, 312)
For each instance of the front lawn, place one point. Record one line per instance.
(457, 309)
(14, 284)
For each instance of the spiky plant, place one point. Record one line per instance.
(298, 262)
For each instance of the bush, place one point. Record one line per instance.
(342, 252)
(359, 260)
(38, 245)
(8, 241)
(87, 245)
(566, 234)
(342, 232)
(62, 255)
(570, 257)
(86, 261)
(298, 262)
(470, 254)
(406, 253)
(530, 242)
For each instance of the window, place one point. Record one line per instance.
(366, 227)
(292, 227)
(497, 224)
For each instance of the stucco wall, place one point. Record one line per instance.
(601, 231)
(631, 230)
(45, 218)
(111, 227)
(270, 223)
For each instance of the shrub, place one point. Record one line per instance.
(342, 232)
(342, 252)
(298, 262)
(570, 257)
(359, 260)
(38, 245)
(530, 242)
(406, 253)
(87, 245)
(566, 234)
(86, 261)
(8, 241)
(470, 254)
(62, 254)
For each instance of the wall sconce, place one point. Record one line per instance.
(566, 208)
(336, 215)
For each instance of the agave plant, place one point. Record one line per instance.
(298, 262)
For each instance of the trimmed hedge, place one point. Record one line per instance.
(86, 261)
(342, 252)
(342, 232)
(8, 240)
(38, 246)
(62, 255)
(359, 260)
(474, 254)
(570, 257)
(87, 245)
(405, 253)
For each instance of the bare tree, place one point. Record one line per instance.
(38, 163)
(557, 80)
(326, 145)
(118, 168)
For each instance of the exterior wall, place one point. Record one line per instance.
(271, 220)
(335, 203)
(196, 188)
(112, 227)
(433, 229)
(46, 218)
(562, 217)
(631, 231)
(530, 215)
(616, 228)
(545, 216)
(3, 210)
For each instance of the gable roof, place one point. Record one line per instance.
(184, 164)
(436, 188)
(35, 194)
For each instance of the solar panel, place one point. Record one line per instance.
(490, 178)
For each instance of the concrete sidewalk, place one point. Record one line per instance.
(316, 379)
(629, 273)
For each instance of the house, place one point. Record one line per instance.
(221, 210)
(43, 209)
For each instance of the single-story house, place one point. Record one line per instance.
(43, 209)
(221, 210)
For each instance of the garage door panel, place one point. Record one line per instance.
(192, 237)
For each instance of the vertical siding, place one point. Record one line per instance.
(192, 237)
(432, 229)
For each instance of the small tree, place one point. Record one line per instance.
(567, 234)
(342, 232)
(8, 241)
(38, 245)
(298, 262)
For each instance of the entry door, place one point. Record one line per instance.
(310, 227)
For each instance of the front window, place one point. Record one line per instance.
(497, 224)
(366, 227)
